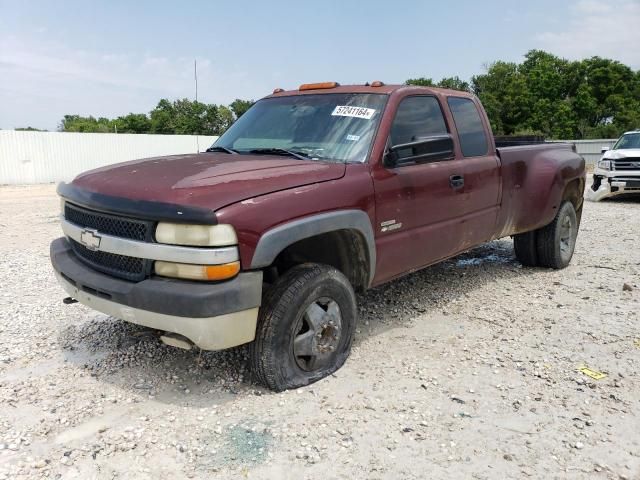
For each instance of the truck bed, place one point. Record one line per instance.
(517, 140)
(531, 195)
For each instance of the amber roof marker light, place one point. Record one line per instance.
(278, 90)
(377, 83)
(316, 86)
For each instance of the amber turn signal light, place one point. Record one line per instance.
(315, 86)
(222, 272)
(197, 272)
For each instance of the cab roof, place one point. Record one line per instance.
(384, 89)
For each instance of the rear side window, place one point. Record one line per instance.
(471, 133)
(416, 118)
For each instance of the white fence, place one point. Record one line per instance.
(45, 157)
(591, 150)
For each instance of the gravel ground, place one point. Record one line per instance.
(468, 369)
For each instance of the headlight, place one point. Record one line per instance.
(604, 164)
(198, 235)
(197, 272)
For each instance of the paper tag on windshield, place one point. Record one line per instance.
(357, 112)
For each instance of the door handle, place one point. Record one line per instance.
(456, 181)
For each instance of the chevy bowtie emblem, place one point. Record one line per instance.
(90, 239)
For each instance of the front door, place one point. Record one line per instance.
(419, 207)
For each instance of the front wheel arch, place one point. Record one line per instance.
(308, 239)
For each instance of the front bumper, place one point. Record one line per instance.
(608, 183)
(212, 316)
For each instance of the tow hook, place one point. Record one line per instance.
(69, 300)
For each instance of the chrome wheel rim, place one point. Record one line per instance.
(317, 334)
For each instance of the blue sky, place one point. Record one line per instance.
(112, 58)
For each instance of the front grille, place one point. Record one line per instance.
(630, 163)
(121, 266)
(630, 182)
(109, 224)
(127, 268)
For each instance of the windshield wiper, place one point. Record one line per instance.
(281, 151)
(219, 148)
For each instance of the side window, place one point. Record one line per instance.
(417, 117)
(471, 132)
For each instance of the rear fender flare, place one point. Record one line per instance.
(561, 181)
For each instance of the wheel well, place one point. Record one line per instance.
(346, 250)
(574, 192)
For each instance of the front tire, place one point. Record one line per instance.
(305, 327)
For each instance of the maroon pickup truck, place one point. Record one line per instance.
(311, 195)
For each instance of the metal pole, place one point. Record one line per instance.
(195, 77)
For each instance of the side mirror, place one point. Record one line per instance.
(604, 149)
(426, 149)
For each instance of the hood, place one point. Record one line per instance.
(208, 180)
(622, 153)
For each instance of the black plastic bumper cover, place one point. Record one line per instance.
(171, 297)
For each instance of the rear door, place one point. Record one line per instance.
(482, 179)
(419, 207)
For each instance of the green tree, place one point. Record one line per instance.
(454, 83)
(133, 123)
(544, 94)
(585, 107)
(616, 89)
(503, 92)
(90, 124)
(558, 98)
(225, 119)
(162, 118)
(421, 82)
(238, 106)
(187, 117)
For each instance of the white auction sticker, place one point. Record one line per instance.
(358, 112)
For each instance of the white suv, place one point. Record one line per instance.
(618, 171)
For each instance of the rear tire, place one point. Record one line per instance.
(526, 248)
(305, 327)
(556, 242)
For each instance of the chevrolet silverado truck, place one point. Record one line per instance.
(618, 171)
(312, 195)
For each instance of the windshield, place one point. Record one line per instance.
(628, 140)
(330, 126)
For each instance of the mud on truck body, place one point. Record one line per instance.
(312, 195)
